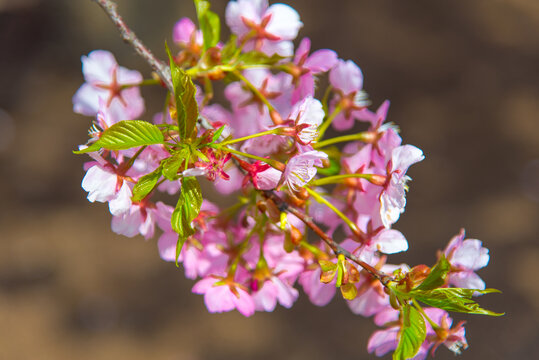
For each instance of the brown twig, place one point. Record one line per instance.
(129, 37)
(337, 249)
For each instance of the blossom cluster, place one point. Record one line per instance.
(269, 146)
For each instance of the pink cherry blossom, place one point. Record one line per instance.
(186, 34)
(274, 290)
(305, 67)
(466, 256)
(392, 199)
(104, 185)
(268, 179)
(319, 293)
(221, 295)
(141, 219)
(268, 29)
(383, 341)
(105, 81)
(307, 116)
(301, 169)
(347, 79)
(453, 338)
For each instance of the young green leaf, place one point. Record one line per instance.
(172, 164)
(437, 275)
(184, 95)
(209, 23)
(217, 134)
(146, 184)
(412, 334)
(454, 299)
(187, 209)
(179, 246)
(192, 195)
(126, 134)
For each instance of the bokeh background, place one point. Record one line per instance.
(463, 79)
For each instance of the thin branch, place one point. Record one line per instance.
(337, 249)
(129, 37)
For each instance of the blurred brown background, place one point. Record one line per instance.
(463, 79)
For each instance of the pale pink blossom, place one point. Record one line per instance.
(318, 292)
(307, 116)
(221, 295)
(453, 338)
(105, 81)
(269, 29)
(383, 341)
(301, 169)
(268, 179)
(466, 257)
(104, 185)
(186, 34)
(393, 198)
(305, 66)
(140, 219)
(347, 79)
(274, 290)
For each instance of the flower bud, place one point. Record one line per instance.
(276, 117)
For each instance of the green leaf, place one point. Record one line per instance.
(187, 209)
(192, 195)
(126, 134)
(412, 334)
(179, 246)
(184, 95)
(209, 23)
(259, 58)
(146, 184)
(217, 134)
(172, 164)
(437, 275)
(454, 299)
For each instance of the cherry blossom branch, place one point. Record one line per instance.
(337, 249)
(110, 7)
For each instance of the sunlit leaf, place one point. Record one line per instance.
(209, 23)
(187, 209)
(437, 276)
(172, 164)
(411, 335)
(146, 184)
(125, 135)
(184, 95)
(453, 299)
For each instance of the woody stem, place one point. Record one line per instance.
(110, 7)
